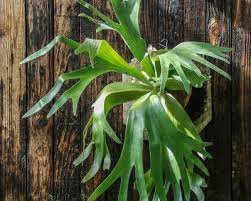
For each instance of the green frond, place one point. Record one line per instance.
(176, 149)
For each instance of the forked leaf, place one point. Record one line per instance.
(86, 75)
(104, 53)
(127, 14)
(100, 125)
(181, 59)
(131, 156)
(163, 133)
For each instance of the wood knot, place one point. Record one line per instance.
(2, 32)
(215, 30)
(41, 123)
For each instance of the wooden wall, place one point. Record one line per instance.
(36, 154)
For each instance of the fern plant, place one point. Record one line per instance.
(176, 149)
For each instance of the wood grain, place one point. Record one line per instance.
(87, 30)
(67, 133)
(219, 131)
(39, 80)
(12, 102)
(171, 22)
(241, 106)
(36, 154)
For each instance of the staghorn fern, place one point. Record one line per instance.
(174, 142)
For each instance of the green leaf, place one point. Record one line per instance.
(181, 59)
(104, 53)
(178, 116)
(162, 132)
(131, 156)
(85, 75)
(82, 157)
(127, 14)
(71, 43)
(121, 89)
(112, 95)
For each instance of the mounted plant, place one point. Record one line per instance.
(174, 142)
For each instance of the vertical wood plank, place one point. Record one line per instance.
(67, 135)
(241, 97)
(39, 80)
(12, 101)
(87, 30)
(171, 22)
(219, 131)
(194, 20)
(149, 23)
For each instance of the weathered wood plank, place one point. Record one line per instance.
(219, 131)
(67, 138)
(12, 101)
(39, 80)
(87, 30)
(171, 22)
(241, 97)
(194, 20)
(149, 23)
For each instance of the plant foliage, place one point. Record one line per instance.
(174, 142)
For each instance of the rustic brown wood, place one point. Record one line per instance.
(219, 131)
(67, 131)
(241, 106)
(171, 22)
(87, 30)
(36, 161)
(39, 81)
(149, 22)
(12, 102)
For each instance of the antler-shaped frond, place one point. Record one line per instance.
(182, 60)
(112, 95)
(103, 59)
(171, 152)
(127, 13)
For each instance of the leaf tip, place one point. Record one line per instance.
(25, 115)
(22, 62)
(51, 112)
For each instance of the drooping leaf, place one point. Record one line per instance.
(82, 157)
(86, 75)
(131, 156)
(103, 59)
(163, 133)
(112, 95)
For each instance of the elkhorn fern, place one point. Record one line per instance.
(174, 142)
